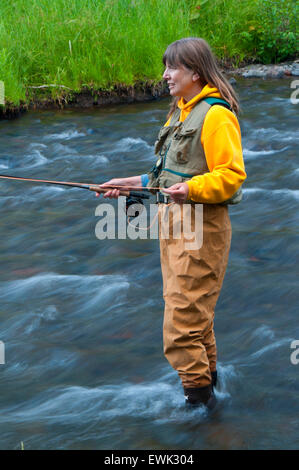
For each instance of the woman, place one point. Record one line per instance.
(199, 161)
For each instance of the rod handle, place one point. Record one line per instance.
(98, 189)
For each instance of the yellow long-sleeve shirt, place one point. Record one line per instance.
(221, 140)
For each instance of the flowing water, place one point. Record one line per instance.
(81, 318)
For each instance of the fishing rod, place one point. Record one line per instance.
(124, 191)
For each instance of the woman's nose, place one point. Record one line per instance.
(166, 74)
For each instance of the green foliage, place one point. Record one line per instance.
(14, 90)
(258, 30)
(274, 33)
(103, 43)
(85, 43)
(220, 22)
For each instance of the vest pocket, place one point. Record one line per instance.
(181, 144)
(164, 131)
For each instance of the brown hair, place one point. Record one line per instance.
(195, 54)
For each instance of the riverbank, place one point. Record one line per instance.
(86, 98)
(72, 53)
(265, 71)
(140, 92)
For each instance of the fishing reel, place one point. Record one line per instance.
(134, 206)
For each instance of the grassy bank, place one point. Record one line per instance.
(96, 44)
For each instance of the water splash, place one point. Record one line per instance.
(66, 135)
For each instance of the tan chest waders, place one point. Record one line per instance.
(192, 278)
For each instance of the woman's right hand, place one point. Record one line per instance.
(115, 193)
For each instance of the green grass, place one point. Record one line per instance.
(254, 30)
(103, 43)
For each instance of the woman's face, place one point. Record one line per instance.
(182, 81)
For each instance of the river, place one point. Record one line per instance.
(81, 318)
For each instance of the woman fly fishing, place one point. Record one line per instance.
(199, 161)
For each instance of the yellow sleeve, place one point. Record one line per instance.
(168, 122)
(221, 140)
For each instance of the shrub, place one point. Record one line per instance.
(272, 33)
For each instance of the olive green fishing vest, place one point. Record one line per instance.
(180, 154)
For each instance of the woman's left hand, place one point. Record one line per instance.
(178, 192)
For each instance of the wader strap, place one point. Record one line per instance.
(211, 101)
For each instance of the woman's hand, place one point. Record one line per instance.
(115, 193)
(178, 192)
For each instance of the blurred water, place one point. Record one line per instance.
(81, 318)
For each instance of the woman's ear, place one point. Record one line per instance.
(195, 77)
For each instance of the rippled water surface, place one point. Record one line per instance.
(81, 318)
